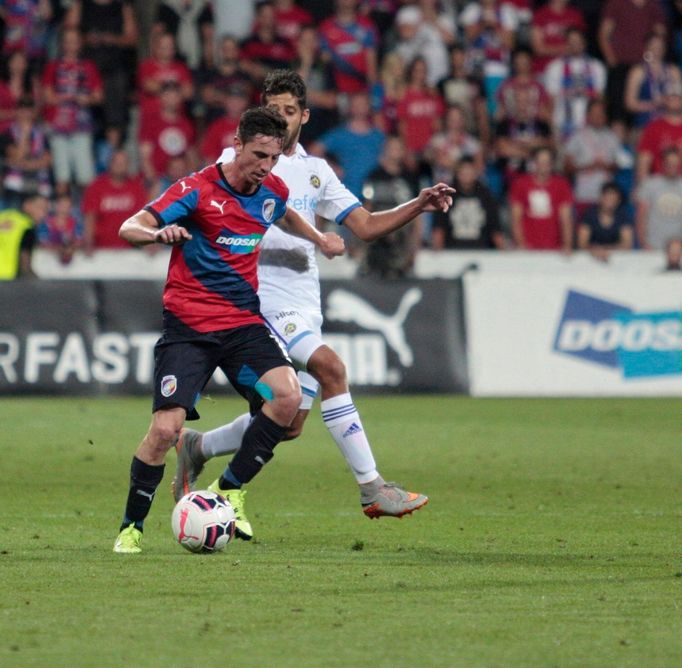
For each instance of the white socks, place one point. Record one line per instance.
(225, 439)
(344, 424)
(340, 417)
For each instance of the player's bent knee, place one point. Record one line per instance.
(285, 404)
(292, 401)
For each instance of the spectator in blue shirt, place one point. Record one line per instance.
(357, 144)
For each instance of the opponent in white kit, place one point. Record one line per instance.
(289, 291)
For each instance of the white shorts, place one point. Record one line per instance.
(301, 335)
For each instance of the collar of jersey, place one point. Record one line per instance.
(222, 181)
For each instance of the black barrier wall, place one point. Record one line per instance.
(97, 337)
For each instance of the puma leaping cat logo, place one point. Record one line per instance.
(347, 307)
(219, 206)
(184, 187)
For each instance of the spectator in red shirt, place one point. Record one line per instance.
(623, 30)
(524, 79)
(445, 149)
(290, 19)
(220, 133)
(109, 199)
(167, 135)
(26, 28)
(16, 81)
(72, 85)
(660, 134)
(548, 31)
(419, 111)
(542, 207)
(162, 67)
(265, 50)
(350, 42)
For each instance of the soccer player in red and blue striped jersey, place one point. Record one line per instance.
(215, 220)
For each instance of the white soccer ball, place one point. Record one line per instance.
(203, 521)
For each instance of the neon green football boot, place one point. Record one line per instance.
(242, 526)
(128, 541)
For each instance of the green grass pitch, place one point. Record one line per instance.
(552, 538)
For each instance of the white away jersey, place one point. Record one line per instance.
(313, 188)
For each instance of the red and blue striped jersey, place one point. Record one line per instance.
(212, 278)
(347, 45)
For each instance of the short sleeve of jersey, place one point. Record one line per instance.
(177, 203)
(336, 201)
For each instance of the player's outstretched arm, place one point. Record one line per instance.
(142, 229)
(329, 243)
(372, 226)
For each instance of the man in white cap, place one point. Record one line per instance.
(418, 38)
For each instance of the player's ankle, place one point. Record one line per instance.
(372, 484)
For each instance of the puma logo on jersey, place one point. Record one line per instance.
(219, 206)
(184, 187)
(344, 306)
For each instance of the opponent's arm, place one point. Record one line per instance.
(143, 229)
(329, 243)
(372, 226)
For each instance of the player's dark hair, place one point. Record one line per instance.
(284, 81)
(261, 121)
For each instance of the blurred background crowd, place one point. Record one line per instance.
(559, 122)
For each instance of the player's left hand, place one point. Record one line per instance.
(436, 198)
(332, 245)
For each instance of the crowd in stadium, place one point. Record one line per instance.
(559, 122)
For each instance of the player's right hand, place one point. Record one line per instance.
(332, 245)
(172, 235)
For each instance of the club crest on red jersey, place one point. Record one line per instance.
(268, 210)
